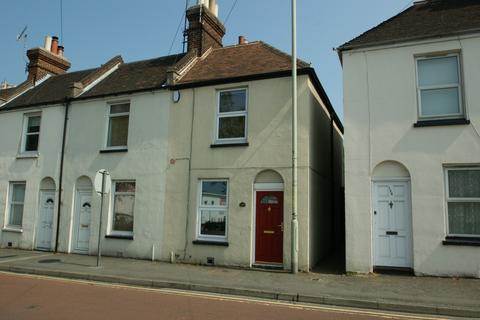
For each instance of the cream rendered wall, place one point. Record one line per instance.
(32, 170)
(380, 110)
(145, 162)
(269, 138)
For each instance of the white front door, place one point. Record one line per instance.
(45, 220)
(392, 224)
(82, 222)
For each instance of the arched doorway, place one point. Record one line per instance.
(392, 216)
(269, 226)
(46, 208)
(82, 215)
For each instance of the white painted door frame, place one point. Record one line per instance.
(44, 232)
(400, 238)
(79, 202)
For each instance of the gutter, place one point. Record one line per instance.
(60, 178)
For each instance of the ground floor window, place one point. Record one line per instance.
(16, 201)
(123, 207)
(463, 201)
(212, 210)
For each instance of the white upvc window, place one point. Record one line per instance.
(212, 210)
(439, 87)
(123, 204)
(232, 116)
(15, 204)
(463, 201)
(118, 119)
(31, 133)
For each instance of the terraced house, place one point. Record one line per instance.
(412, 142)
(198, 146)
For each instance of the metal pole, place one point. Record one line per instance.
(99, 249)
(294, 141)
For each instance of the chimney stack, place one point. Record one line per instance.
(47, 60)
(205, 30)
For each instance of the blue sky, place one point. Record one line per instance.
(96, 30)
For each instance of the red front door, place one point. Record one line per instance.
(269, 227)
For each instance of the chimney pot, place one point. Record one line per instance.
(60, 51)
(242, 40)
(48, 43)
(54, 47)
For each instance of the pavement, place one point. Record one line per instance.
(426, 295)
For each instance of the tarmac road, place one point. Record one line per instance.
(34, 297)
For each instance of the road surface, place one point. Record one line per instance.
(32, 297)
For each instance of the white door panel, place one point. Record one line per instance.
(45, 220)
(81, 243)
(392, 225)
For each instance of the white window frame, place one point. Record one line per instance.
(110, 116)
(458, 85)
(201, 207)
(113, 193)
(220, 115)
(25, 133)
(11, 203)
(451, 199)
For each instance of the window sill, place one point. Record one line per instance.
(211, 243)
(227, 145)
(120, 150)
(462, 241)
(442, 122)
(12, 229)
(117, 236)
(33, 155)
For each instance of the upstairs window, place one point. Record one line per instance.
(16, 201)
(118, 118)
(31, 133)
(439, 87)
(463, 201)
(232, 116)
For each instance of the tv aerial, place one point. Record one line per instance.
(22, 37)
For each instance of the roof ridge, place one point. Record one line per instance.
(346, 44)
(154, 58)
(284, 54)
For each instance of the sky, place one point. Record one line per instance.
(96, 30)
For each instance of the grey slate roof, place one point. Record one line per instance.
(428, 19)
(135, 76)
(51, 91)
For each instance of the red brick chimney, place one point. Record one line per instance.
(43, 61)
(204, 28)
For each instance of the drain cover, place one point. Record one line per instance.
(49, 261)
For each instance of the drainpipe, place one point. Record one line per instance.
(60, 179)
(294, 142)
(189, 183)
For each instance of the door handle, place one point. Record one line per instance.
(392, 233)
(281, 226)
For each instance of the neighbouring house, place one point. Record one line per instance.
(198, 147)
(412, 161)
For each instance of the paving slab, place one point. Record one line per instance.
(442, 296)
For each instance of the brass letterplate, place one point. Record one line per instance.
(268, 232)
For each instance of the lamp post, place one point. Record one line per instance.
(294, 224)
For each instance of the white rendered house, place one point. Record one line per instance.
(412, 118)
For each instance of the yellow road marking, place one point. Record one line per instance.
(218, 297)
